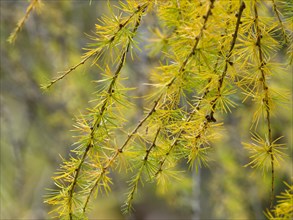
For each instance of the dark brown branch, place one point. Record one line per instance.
(198, 37)
(227, 62)
(266, 99)
(96, 124)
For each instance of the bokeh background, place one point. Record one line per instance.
(36, 124)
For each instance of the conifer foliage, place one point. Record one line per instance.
(212, 54)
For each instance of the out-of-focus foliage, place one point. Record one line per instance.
(165, 92)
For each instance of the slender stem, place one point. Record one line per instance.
(273, 179)
(21, 22)
(96, 125)
(138, 176)
(280, 21)
(198, 37)
(141, 122)
(65, 73)
(227, 61)
(266, 98)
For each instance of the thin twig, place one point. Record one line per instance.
(266, 100)
(97, 52)
(227, 61)
(95, 126)
(138, 176)
(280, 21)
(20, 23)
(65, 73)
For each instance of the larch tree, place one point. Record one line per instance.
(214, 56)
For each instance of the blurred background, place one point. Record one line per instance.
(36, 124)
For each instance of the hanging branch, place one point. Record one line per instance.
(265, 152)
(116, 154)
(75, 166)
(134, 182)
(101, 175)
(95, 126)
(33, 4)
(98, 51)
(213, 103)
(197, 39)
(280, 21)
(266, 98)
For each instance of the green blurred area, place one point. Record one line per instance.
(35, 126)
